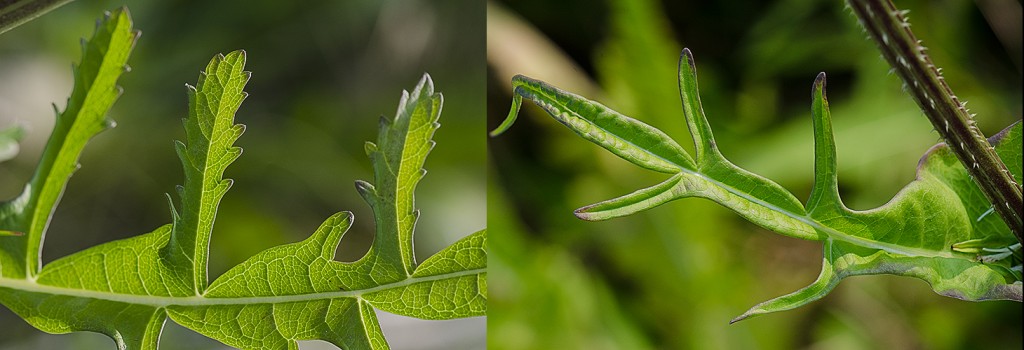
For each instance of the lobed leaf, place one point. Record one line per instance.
(104, 58)
(936, 229)
(128, 288)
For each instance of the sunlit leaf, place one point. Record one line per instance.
(128, 288)
(919, 233)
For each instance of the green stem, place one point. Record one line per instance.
(889, 28)
(16, 12)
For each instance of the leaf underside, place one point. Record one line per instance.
(914, 234)
(127, 289)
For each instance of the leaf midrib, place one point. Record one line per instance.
(831, 232)
(166, 301)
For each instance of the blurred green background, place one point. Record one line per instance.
(672, 277)
(323, 74)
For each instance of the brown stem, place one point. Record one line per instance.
(889, 28)
(16, 12)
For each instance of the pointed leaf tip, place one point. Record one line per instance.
(819, 84)
(686, 54)
(517, 101)
(426, 81)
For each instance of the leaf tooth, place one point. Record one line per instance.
(424, 87)
(237, 130)
(368, 192)
(182, 150)
(370, 148)
(170, 204)
(401, 104)
(330, 232)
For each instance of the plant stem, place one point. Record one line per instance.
(889, 28)
(16, 12)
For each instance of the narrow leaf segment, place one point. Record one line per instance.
(128, 288)
(104, 58)
(928, 230)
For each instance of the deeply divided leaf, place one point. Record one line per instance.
(939, 228)
(104, 58)
(127, 289)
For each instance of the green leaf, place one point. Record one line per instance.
(128, 288)
(104, 58)
(937, 228)
(210, 132)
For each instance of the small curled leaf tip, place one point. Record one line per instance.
(517, 101)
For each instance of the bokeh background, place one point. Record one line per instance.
(323, 74)
(672, 277)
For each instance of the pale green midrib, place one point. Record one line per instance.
(831, 232)
(166, 301)
(209, 180)
(845, 237)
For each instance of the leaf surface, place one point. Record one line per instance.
(938, 228)
(128, 288)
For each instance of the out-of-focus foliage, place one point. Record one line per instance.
(321, 67)
(672, 277)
